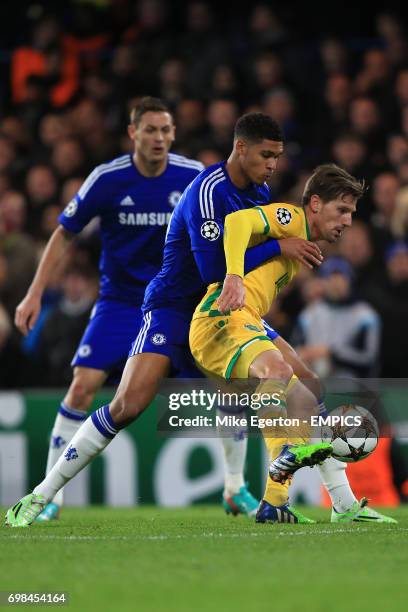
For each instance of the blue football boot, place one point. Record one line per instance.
(280, 514)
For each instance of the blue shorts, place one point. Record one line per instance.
(108, 336)
(165, 331)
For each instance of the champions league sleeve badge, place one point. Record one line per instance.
(283, 216)
(210, 230)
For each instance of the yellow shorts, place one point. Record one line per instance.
(227, 345)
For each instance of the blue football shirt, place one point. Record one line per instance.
(134, 212)
(197, 226)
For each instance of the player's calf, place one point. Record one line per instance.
(138, 387)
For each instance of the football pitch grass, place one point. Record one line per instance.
(199, 559)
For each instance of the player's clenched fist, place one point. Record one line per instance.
(232, 295)
(27, 313)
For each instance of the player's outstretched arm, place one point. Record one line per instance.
(29, 308)
(238, 229)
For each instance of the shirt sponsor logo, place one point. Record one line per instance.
(143, 219)
(283, 216)
(210, 230)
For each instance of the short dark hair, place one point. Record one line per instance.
(330, 182)
(255, 127)
(145, 105)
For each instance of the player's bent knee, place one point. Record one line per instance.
(284, 371)
(276, 368)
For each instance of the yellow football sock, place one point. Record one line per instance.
(275, 492)
(275, 436)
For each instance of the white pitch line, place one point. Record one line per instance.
(257, 534)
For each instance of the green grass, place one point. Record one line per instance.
(196, 559)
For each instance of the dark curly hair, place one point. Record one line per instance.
(255, 127)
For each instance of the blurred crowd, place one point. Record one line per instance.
(72, 74)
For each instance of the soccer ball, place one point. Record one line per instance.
(352, 431)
